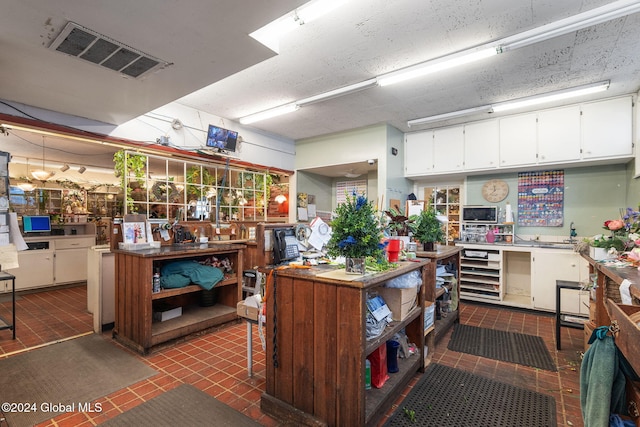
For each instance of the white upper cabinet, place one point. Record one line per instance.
(606, 128)
(481, 145)
(559, 135)
(579, 133)
(518, 140)
(418, 153)
(448, 149)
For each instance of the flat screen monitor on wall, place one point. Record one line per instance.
(36, 223)
(222, 139)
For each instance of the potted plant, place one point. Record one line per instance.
(623, 236)
(399, 224)
(427, 229)
(356, 233)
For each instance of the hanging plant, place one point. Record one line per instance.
(198, 177)
(133, 164)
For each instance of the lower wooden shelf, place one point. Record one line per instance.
(378, 400)
(391, 329)
(193, 319)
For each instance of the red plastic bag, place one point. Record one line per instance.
(378, 361)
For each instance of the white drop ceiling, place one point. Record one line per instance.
(216, 67)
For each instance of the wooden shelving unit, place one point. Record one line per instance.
(317, 346)
(134, 325)
(481, 273)
(442, 255)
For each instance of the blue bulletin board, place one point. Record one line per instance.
(541, 199)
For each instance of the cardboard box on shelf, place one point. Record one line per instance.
(399, 300)
(163, 315)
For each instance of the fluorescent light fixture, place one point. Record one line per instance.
(436, 65)
(270, 34)
(82, 169)
(267, 114)
(64, 167)
(592, 17)
(451, 115)
(551, 96)
(573, 23)
(338, 92)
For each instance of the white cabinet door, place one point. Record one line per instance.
(606, 128)
(418, 153)
(481, 145)
(559, 135)
(71, 265)
(518, 140)
(550, 265)
(36, 269)
(448, 146)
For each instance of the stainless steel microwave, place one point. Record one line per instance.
(485, 214)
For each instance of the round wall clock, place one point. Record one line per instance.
(495, 190)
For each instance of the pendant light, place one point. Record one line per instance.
(26, 185)
(42, 175)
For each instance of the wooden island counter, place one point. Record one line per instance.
(625, 319)
(317, 345)
(135, 301)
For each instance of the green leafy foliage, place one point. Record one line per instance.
(410, 413)
(426, 227)
(125, 163)
(356, 231)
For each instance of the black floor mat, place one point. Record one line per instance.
(528, 350)
(450, 397)
(182, 406)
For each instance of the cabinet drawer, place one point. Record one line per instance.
(75, 243)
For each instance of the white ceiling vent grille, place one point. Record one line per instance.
(83, 43)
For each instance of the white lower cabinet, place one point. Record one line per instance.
(36, 269)
(521, 276)
(71, 265)
(64, 262)
(550, 265)
(71, 259)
